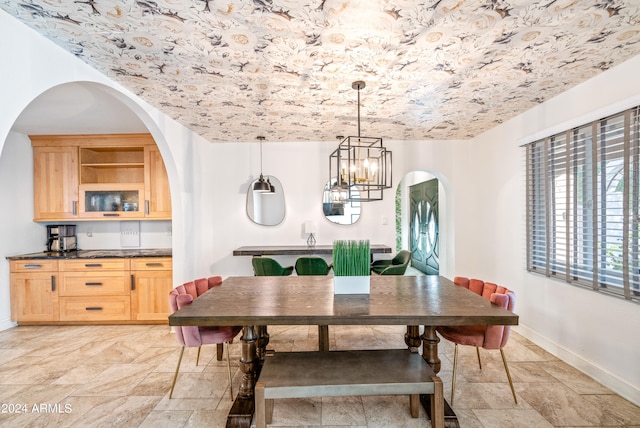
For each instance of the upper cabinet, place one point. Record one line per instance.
(55, 182)
(158, 202)
(99, 177)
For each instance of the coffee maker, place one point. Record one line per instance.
(61, 237)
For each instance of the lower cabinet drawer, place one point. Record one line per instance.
(107, 283)
(106, 308)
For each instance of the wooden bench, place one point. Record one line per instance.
(347, 373)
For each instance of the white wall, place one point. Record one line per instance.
(225, 172)
(16, 226)
(594, 332)
(482, 180)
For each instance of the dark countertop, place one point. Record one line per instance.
(95, 254)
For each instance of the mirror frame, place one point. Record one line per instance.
(326, 196)
(278, 212)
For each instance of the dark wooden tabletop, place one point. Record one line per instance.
(309, 300)
(297, 250)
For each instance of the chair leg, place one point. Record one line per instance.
(198, 356)
(506, 368)
(455, 367)
(479, 362)
(175, 376)
(229, 372)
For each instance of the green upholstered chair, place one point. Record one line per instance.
(395, 269)
(265, 266)
(312, 266)
(395, 266)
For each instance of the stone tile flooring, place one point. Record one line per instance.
(119, 376)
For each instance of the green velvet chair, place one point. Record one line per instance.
(265, 266)
(395, 266)
(312, 266)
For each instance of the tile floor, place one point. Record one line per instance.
(119, 376)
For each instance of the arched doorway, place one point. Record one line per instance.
(424, 227)
(420, 202)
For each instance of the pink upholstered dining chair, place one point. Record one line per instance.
(482, 336)
(192, 336)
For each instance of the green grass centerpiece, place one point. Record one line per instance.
(351, 267)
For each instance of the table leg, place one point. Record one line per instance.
(242, 410)
(263, 341)
(430, 347)
(430, 342)
(412, 338)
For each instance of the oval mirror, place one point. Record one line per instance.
(335, 205)
(265, 201)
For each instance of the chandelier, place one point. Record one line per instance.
(361, 165)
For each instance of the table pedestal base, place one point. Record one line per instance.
(450, 418)
(241, 413)
(255, 339)
(430, 342)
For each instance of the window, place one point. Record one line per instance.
(583, 192)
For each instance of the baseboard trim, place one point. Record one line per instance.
(611, 381)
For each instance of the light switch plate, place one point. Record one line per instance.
(130, 233)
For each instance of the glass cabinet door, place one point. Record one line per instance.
(119, 200)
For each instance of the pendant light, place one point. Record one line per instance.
(362, 165)
(262, 185)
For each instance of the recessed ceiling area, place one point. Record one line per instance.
(448, 69)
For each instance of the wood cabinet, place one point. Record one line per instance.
(91, 291)
(55, 182)
(151, 282)
(99, 177)
(34, 290)
(94, 290)
(157, 194)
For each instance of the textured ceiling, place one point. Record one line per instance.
(232, 70)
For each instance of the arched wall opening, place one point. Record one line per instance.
(16, 161)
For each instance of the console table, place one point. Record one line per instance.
(297, 250)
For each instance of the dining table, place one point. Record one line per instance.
(255, 302)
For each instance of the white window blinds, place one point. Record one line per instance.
(583, 193)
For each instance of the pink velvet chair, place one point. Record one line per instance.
(192, 336)
(481, 336)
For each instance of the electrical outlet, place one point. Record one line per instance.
(89, 232)
(130, 233)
